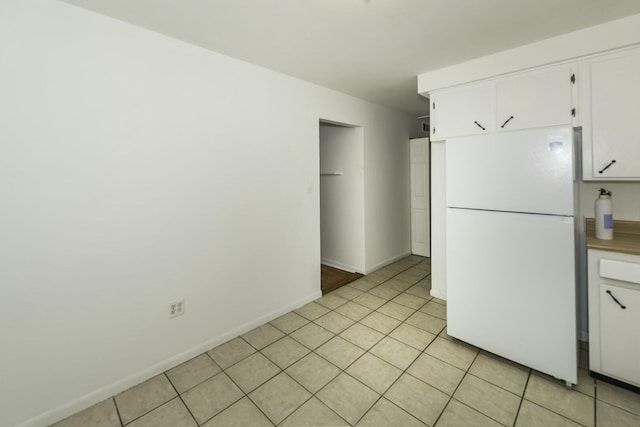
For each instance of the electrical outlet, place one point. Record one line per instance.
(176, 308)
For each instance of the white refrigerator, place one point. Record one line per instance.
(511, 251)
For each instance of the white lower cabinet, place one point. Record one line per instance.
(614, 315)
(619, 325)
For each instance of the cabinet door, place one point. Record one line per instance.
(612, 95)
(620, 332)
(535, 99)
(462, 111)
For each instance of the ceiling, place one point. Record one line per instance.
(371, 49)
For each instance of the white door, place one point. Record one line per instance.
(511, 287)
(521, 171)
(420, 234)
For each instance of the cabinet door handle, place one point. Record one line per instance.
(616, 300)
(607, 167)
(507, 121)
(480, 126)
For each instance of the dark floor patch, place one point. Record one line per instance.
(333, 278)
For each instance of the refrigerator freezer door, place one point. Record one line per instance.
(511, 287)
(524, 171)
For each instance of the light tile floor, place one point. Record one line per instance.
(373, 353)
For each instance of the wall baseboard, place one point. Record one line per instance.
(112, 389)
(438, 294)
(387, 262)
(340, 266)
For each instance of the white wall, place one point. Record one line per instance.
(387, 194)
(626, 199)
(135, 169)
(342, 197)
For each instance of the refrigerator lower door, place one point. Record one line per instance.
(511, 287)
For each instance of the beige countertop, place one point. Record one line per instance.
(626, 237)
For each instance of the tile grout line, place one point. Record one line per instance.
(522, 398)
(394, 382)
(155, 407)
(381, 395)
(115, 404)
(244, 394)
(552, 411)
(313, 395)
(283, 371)
(524, 390)
(181, 399)
(311, 351)
(456, 389)
(533, 372)
(595, 402)
(224, 371)
(359, 357)
(256, 404)
(387, 335)
(612, 404)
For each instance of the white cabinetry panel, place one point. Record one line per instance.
(462, 111)
(611, 91)
(535, 99)
(526, 100)
(614, 315)
(620, 332)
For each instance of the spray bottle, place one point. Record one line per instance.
(604, 216)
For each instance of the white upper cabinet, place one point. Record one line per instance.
(525, 100)
(611, 99)
(462, 111)
(535, 99)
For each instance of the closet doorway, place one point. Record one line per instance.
(342, 246)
